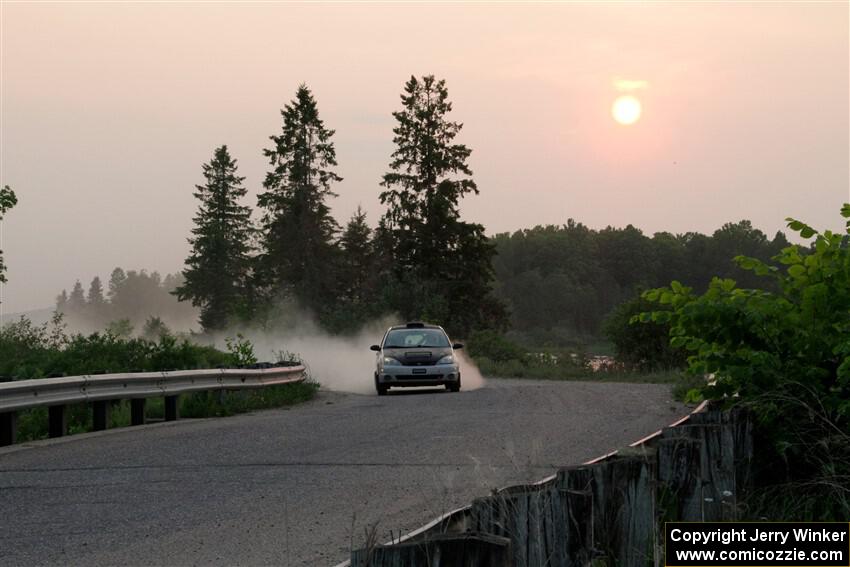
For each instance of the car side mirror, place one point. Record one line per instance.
(376, 348)
(457, 346)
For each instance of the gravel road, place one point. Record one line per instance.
(297, 486)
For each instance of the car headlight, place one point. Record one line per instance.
(448, 359)
(390, 361)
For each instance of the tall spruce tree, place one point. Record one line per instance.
(442, 266)
(95, 296)
(297, 228)
(116, 280)
(7, 201)
(217, 269)
(77, 300)
(96, 303)
(61, 301)
(357, 258)
(356, 283)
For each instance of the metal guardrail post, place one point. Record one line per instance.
(8, 428)
(172, 408)
(137, 411)
(57, 421)
(102, 390)
(100, 414)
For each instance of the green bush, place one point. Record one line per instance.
(643, 347)
(497, 356)
(494, 346)
(36, 351)
(221, 403)
(785, 355)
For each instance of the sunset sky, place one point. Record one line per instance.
(109, 110)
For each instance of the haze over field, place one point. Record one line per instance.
(109, 110)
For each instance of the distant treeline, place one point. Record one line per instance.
(560, 282)
(133, 302)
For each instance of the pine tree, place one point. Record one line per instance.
(357, 258)
(297, 227)
(96, 303)
(7, 201)
(76, 300)
(116, 280)
(442, 266)
(355, 300)
(218, 268)
(61, 302)
(95, 296)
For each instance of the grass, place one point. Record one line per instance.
(567, 369)
(32, 424)
(223, 403)
(592, 360)
(514, 368)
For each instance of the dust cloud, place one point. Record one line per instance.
(471, 378)
(338, 362)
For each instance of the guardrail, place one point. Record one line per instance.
(101, 389)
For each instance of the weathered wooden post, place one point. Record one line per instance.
(530, 515)
(481, 516)
(731, 448)
(624, 522)
(548, 526)
(741, 423)
(576, 496)
(680, 479)
(717, 470)
(678, 497)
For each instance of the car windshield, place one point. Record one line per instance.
(416, 338)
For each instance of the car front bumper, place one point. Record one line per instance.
(401, 376)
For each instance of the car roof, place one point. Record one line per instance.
(416, 325)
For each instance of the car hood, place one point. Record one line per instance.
(417, 356)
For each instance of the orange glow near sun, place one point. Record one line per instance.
(626, 110)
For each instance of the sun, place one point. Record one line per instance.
(626, 110)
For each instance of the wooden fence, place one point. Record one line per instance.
(609, 512)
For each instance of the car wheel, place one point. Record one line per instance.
(382, 390)
(454, 387)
